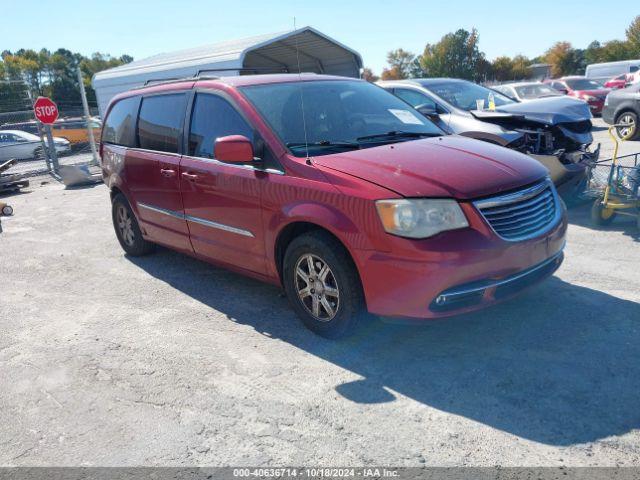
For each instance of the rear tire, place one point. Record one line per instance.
(600, 215)
(323, 286)
(38, 154)
(127, 228)
(630, 132)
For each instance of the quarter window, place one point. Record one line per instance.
(119, 127)
(160, 123)
(213, 117)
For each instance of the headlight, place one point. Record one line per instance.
(420, 218)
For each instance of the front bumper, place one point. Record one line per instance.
(608, 115)
(474, 293)
(596, 107)
(567, 176)
(406, 281)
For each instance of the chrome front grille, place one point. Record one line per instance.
(523, 214)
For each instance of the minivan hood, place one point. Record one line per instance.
(550, 110)
(449, 166)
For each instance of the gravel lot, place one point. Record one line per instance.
(165, 360)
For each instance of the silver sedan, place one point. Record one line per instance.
(26, 146)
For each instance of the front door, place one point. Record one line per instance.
(222, 202)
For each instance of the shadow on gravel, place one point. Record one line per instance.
(558, 365)
(625, 224)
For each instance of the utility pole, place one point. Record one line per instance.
(87, 116)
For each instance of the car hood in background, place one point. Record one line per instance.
(449, 166)
(551, 110)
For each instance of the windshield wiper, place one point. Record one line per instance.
(398, 134)
(324, 143)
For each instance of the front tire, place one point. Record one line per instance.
(630, 131)
(127, 228)
(322, 284)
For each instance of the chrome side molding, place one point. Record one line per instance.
(201, 221)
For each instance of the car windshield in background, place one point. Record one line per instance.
(338, 115)
(464, 95)
(583, 84)
(536, 90)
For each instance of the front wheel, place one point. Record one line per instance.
(322, 284)
(629, 126)
(600, 215)
(127, 228)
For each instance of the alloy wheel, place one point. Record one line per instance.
(125, 225)
(629, 126)
(317, 287)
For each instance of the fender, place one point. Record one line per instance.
(327, 217)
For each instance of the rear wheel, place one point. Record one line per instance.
(322, 285)
(600, 215)
(127, 228)
(629, 129)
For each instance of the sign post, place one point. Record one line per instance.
(46, 111)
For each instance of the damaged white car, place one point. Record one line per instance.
(555, 131)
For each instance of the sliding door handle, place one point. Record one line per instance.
(190, 176)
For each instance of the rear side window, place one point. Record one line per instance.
(160, 122)
(214, 117)
(120, 125)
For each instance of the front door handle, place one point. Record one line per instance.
(167, 172)
(190, 176)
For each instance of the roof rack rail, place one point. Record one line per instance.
(165, 81)
(199, 75)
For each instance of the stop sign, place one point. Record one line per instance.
(45, 110)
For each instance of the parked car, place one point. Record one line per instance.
(623, 107)
(72, 129)
(25, 146)
(600, 72)
(555, 131)
(526, 91)
(620, 81)
(582, 88)
(353, 202)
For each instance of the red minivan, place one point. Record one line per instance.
(332, 188)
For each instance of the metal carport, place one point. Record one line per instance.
(270, 53)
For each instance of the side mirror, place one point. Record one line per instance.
(427, 109)
(234, 149)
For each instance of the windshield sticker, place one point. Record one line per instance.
(405, 116)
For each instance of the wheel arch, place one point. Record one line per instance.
(293, 230)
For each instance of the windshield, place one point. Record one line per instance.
(465, 95)
(536, 90)
(583, 84)
(337, 115)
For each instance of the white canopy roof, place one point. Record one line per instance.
(270, 53)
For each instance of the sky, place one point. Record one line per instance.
(146, 27)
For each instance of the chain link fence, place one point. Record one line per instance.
(23, 138)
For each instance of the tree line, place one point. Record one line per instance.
(51, 74)
(458, 55)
